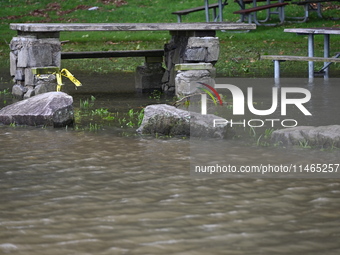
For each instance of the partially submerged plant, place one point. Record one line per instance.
(5, 92)
(87, 103)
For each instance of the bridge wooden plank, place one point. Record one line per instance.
(59, 27)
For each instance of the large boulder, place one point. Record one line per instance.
(49, 109)
(168, 120)
(323, 136)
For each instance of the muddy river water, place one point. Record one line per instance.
(79, 192)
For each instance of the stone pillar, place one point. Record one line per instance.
(188, 47)
(29, 51)
(149, 76)
(188, 76)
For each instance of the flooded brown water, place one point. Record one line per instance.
(79, 192)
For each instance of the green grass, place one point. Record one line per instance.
(239, 52)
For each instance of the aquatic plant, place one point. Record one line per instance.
(304, 144)
(94, 127)
(140, 117)
(87, 103)
(109, 117)
(87, 119)
(100, 112)
(5, 92)
(156, 94)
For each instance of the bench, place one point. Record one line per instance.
(150, 55)
(251, 12)
(196, 9)
(281, 58)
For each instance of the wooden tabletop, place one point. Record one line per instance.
(320, 30)
(56, 27)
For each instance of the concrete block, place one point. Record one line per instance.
(19, 74)
(39, 55)
(193, 66)
(206, 42)
(44, 88)
(211, 44)
(33, 52)
(29, 77)
(13, 63)
(195, 54)
(45, 83)
(186, 82)
(22, 57)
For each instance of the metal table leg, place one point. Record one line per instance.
(207, 18)
(220, 10)
(326, 55)
(310, 54)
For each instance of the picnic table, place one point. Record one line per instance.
(278, 6)
(310, 32)
(206, 8)
(251, 13)
(311, 6)
(272, 7)
(219, 17)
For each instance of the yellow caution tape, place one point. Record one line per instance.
(59, 81)
(67, 73)
(55, 70)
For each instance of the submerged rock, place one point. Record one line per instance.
(323, 136)
(168, 120)
(49, 109)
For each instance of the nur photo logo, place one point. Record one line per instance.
(288, 96)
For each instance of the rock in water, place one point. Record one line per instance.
(168, 120)
(49, 109)
(323, 136)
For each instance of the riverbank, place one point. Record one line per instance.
(239, 52)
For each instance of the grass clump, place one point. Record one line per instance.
(90, 118)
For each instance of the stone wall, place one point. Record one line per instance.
(27, 52)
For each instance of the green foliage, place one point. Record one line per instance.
(87, 103)
(101, 117)
(264, 139)
(94, 127)
(304, 144)
(5, 92)
(156, 94)
(101, 112)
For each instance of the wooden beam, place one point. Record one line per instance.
(299, 58)
(59, 27)
(112, 54)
